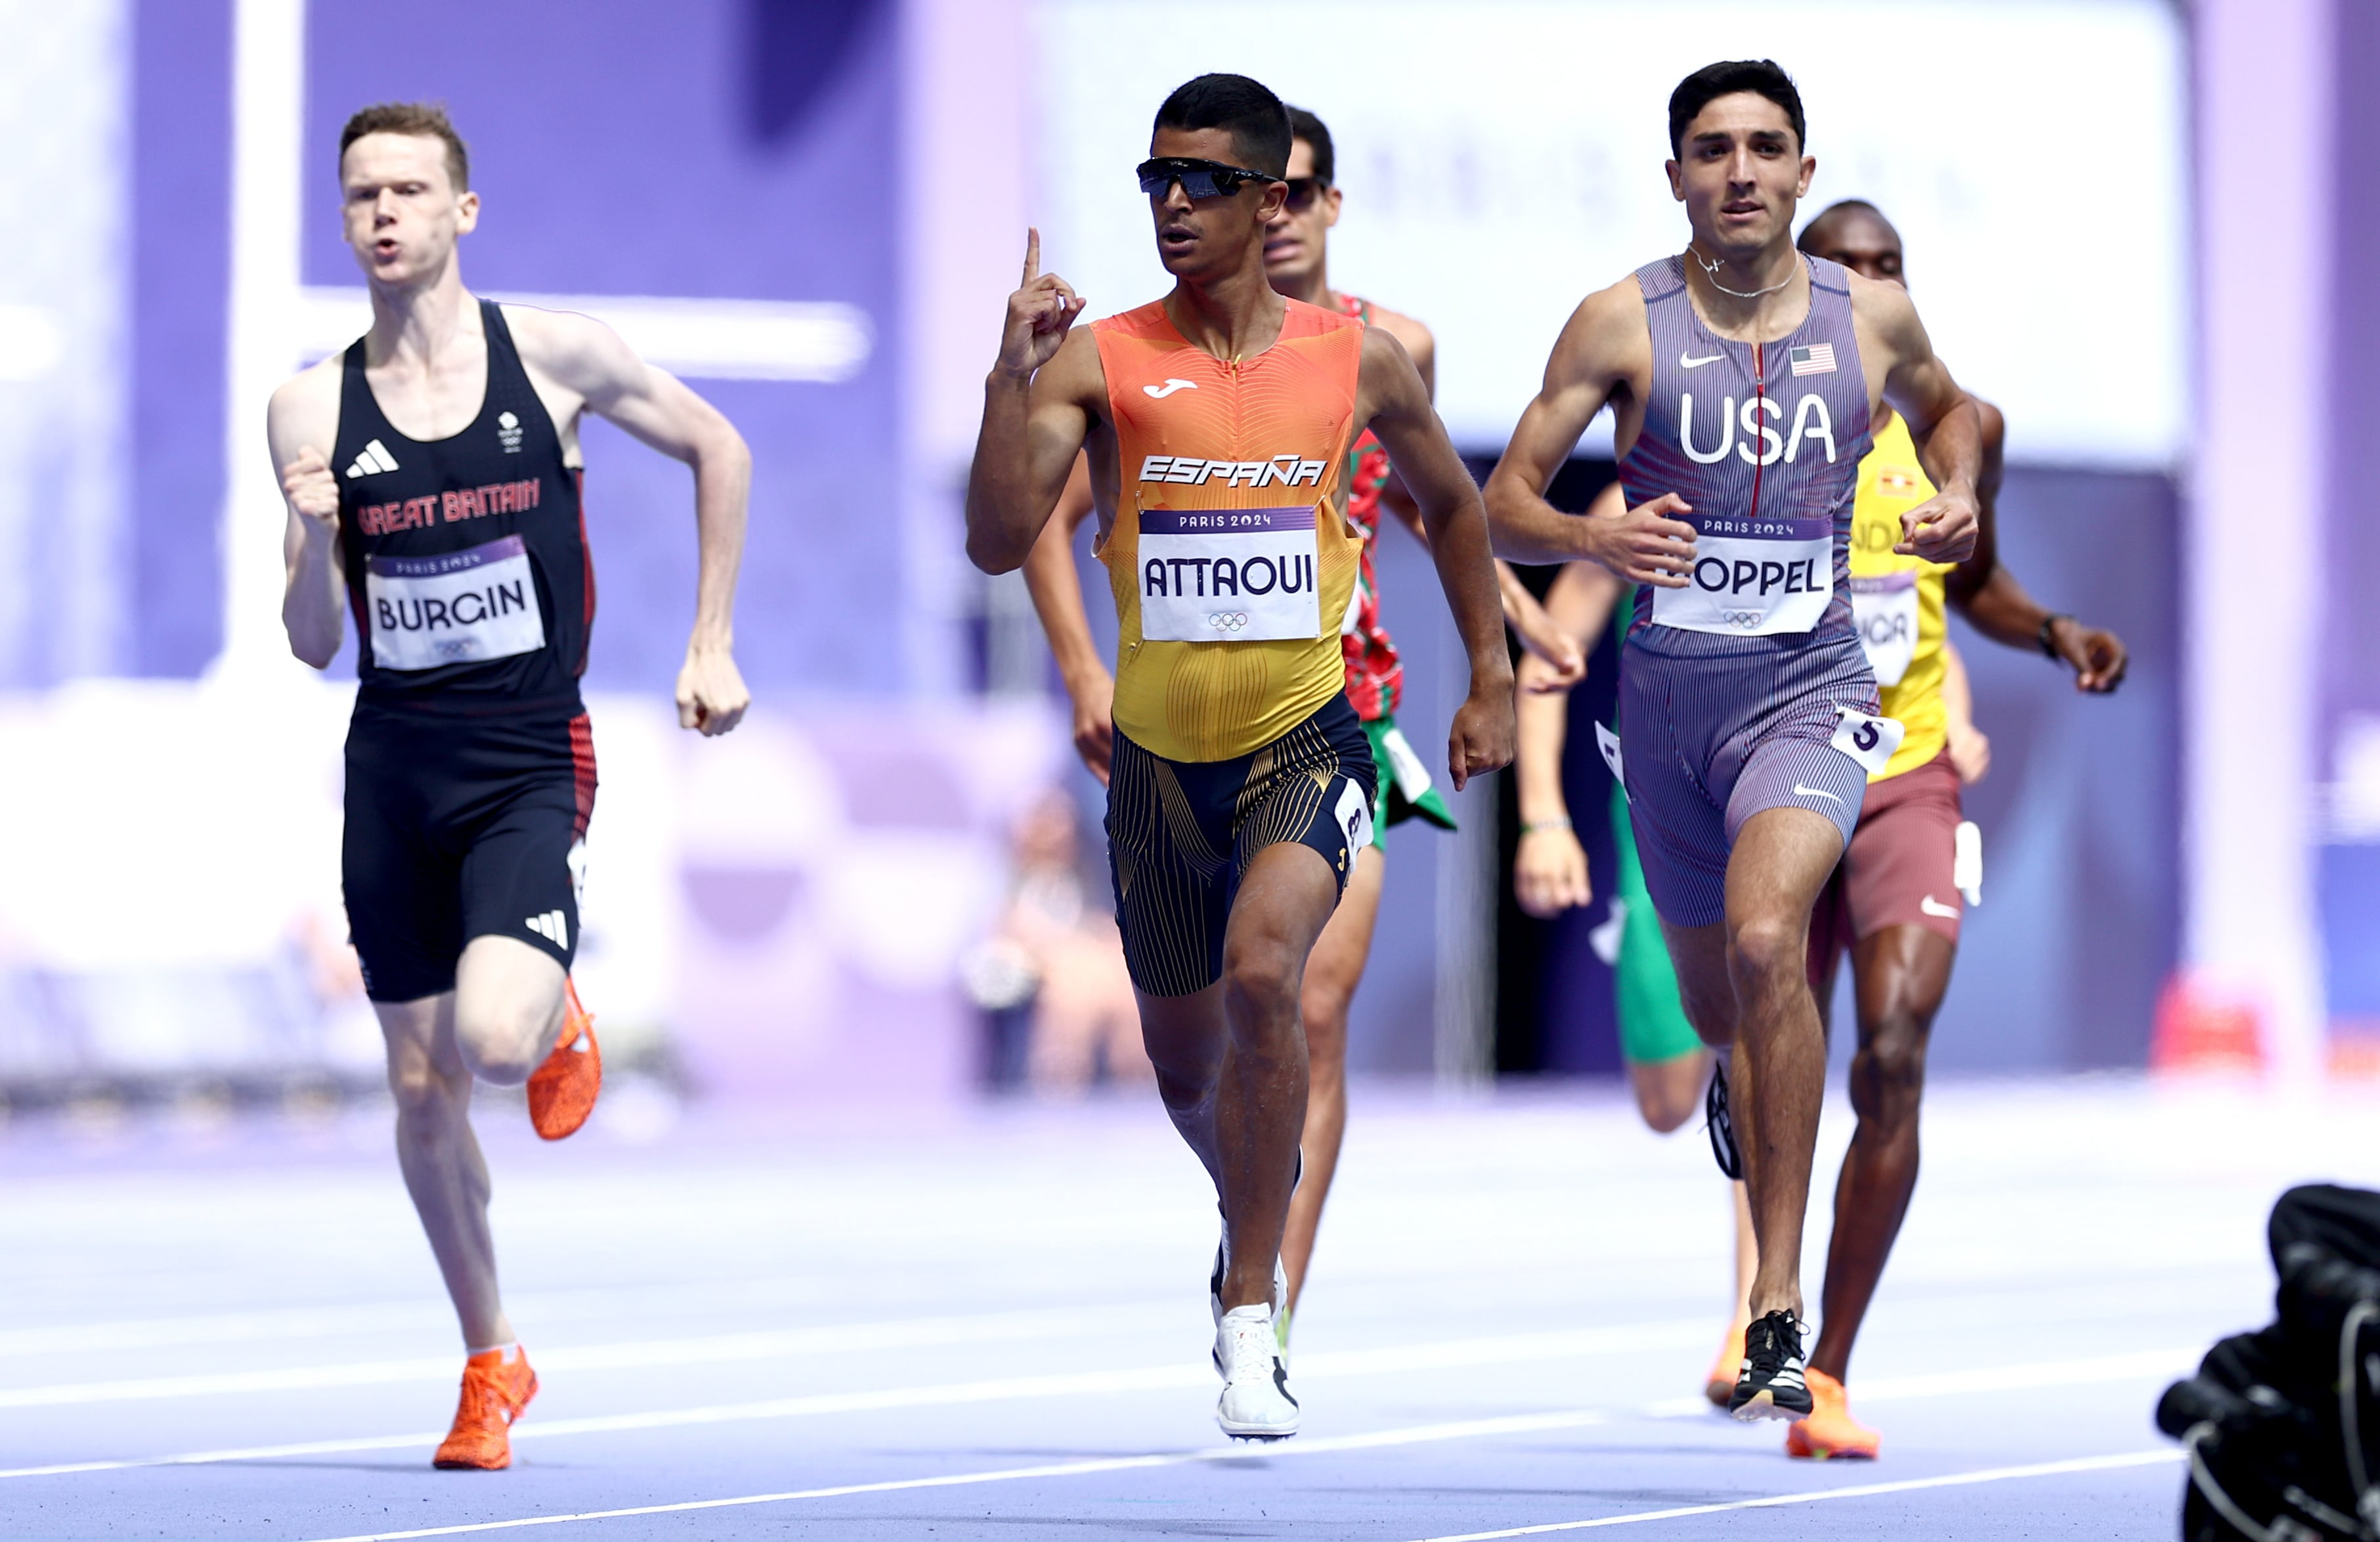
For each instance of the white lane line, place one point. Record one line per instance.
(1318, 1366)
(1853, 1491)
(1525, 1424)
(707, 1349)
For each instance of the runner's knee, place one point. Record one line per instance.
(1261, 980)
(420, 1088)
(1889, 1072)
(1763, 945)
(503, 1039)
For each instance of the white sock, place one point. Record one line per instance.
(511, 1348)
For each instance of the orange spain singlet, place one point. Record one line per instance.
(1231, 562)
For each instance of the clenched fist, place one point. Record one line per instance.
(307, 482)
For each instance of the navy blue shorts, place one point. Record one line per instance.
(459, 828)
(1181, 834)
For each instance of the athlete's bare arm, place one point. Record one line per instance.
(602, 374)
(301, 425)
(1391, 400)
(1056, 585)
(1902, 369)
(1604, 356)
(1989, 596)
(1040, 403)
(1550, 871)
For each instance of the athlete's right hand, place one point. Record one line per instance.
(1040, 313)
(307, 482)
(1094, 722)
(1644, 545)
(1549, 872)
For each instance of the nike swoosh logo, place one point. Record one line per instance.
(1947, 912)
(1800, 791)
(1171, 386)
(1685, 363)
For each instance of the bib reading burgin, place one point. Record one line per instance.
(466, 562)
(1230, 559)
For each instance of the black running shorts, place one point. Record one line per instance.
(1181, 834)
(459, 828)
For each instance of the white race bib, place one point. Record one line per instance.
(1886, 609)
(1404, 768)
(1870, 741)
(1754, 578)
(1608, 742)
(456, 608)
(1228, 575)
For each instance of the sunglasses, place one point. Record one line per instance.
(1198, 178)
(1302, 191)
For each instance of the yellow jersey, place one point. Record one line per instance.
(1896, 600)
(1230, 557)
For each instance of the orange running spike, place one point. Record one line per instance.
(562, 1092)
(494, 1396)
(1830, 1431)
(1720, 1386)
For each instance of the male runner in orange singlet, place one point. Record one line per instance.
(1296, 260)
(1217, 420)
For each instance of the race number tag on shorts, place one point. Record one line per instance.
(1754, 578)
(456, 608)
(1228, 575)
(1354, 817)
(1870, 741)
(1885, 610)
(1608, 742)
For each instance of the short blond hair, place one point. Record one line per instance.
(427, 119)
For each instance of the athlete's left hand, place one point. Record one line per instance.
(2099, 657)
(1942, 529)
(711, 694)
(1482, 738)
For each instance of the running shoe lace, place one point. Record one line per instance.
(1771, 1342)
(481, 1402)
(1251, 1346)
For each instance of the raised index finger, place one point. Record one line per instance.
(1032, 252)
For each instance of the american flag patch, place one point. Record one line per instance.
(1819, 358)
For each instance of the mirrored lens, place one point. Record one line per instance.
(1302, 191)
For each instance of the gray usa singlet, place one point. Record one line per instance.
(1764, 441)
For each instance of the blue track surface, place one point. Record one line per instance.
(994, 1325)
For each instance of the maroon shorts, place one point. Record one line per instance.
(1897, 870)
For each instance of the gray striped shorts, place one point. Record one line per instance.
(1708, 741)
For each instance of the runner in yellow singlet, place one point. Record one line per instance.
(1895, 901)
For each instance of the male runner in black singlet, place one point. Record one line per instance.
(1745, 377)
(432, 475)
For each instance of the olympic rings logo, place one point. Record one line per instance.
(1228, 621)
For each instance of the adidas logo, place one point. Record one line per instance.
(551, 927)
(374, 460)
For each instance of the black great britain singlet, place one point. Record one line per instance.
(467, 561)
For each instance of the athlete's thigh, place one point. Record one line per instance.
(1653, 1028)
(1785, 757)
(1705, 987)
(419, 1038)
(400, 879)
(1680, 829)
(502, 980)
(1336, 966)
(1781, 860)
(1902, 867)
(1898, 977)
(521, 875)
(1170, 859)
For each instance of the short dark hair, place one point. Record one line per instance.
(1706, 85)
(1304, 124)
(1258, 122)
(427, 119)
(1842, 205)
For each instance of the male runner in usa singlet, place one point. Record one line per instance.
(1218, 423)
(432, 475)
(1297, 262)
(1743, 375)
